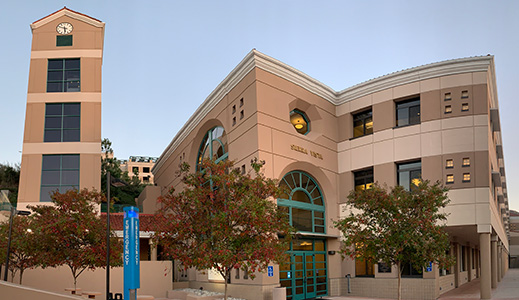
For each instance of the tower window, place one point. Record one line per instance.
(62, 122)
(63, 75)
(63, 40)
(58, 173)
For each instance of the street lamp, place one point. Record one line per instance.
(13, 212)
(117, 183)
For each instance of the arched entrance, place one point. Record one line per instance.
(306, 275)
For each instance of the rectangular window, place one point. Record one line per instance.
(408, 112)
(145, 169)
(450, 178)
(409, 174)
(62, 122)
(466, 177)
(58, 172)
(135, 170)
(449, 164)
(363, 179)
(448, 109)
(448, 96)
(466, 162)
(63, 40)
(463, 261)
(464, 94)
(384, 268)
(408, 270)
(364, 268)
(465, 107)
(63, 75)
(363, 123)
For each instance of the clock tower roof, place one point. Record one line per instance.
(69, 13)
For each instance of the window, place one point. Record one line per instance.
(409, 174)
(58, 172)
(363, 179)
(145, 169)
(364, 267)
(363, 123)
(63, 40)
(464, 94)
(466, 162)
(408, 112)
(62, 122)
(447, 270)
(449, 164)
(384, 268)
(242, 114)
(448, 109)
(135, 170)
(63, 75)
(243, 170)
(233, 121)
(146, 179)
(303, 202)
(213, 146)
(450, 178)
(233, 109)
(300, 121)
(463, 261)
(465, 107)
(448, 96)
(408, 270)
(241, 102)
(466, 177)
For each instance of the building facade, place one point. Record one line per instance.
(139, 166)
(437, 122)
(62, 136)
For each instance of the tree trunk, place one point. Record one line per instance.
(227, 276)
(21, 275)
(399, 281)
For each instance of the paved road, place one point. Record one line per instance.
(508, 288)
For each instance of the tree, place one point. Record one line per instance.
(121, 195)
(398, 226)
(73, 234)
(9, 178)
(224, 219)
(23, 244)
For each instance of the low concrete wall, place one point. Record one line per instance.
(156, 279)
(412, 288)
(19, 292)
(244, 291)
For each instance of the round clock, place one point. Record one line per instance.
(64, 28)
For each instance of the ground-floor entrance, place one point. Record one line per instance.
(306, 275)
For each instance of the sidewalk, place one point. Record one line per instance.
(508, 288)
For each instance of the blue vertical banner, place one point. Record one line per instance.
(131, 255)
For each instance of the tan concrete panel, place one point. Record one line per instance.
(244, 145)
(430, 106)
(481, 138)
(458, 122)
(343, 146)
(91, 75)
(63, 97)
(458, 140)
(90, 122)
(344, 161)
(431, 168)
(62, 148)
(430, 126)
(462, 214)
(456, 80)
(383, 152)
(345, 185)
(37, 76)
(482, 169)
(361, 141)
(362, 157)
(479, 78)
(462, 196)
(460, 95)
(383, 115)
(406, 90)
(407, 130)
(360, 103)
(483, 213)
(385, 174)
(67, 53)
(481, 102)
(431, 143)
(34, 123)
(85, 36)
(481, 120)
(236, 93)
(30, 178)
(383, 135)
(382, 96)
(90, 171)
(429, 85)
(345, 124)
(264, 138)
(458, 170)
(483, 195)
(342, 109)
(407, 147)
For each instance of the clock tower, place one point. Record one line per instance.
(62, 135)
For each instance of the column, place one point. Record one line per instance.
(486, 282)
(456, 265)
(469, 262)
(153, 251)
(494, 261)
(499, 261)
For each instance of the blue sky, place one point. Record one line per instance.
(163, 58)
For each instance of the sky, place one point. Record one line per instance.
(162, 59)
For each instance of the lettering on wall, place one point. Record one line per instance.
(303, 150)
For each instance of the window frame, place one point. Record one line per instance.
(64, 81)
(365, 176)
(61, 187)
(407, 106)
(409, 167)
(208, 140)
(47, 129)
(363, 117)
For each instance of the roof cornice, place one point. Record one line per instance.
(256, 59)
(69, 13)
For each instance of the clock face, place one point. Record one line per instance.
(64, 28)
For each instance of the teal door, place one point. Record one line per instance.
(305, 276)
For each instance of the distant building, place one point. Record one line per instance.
(139, 166)
(62, 136)
(514, 239)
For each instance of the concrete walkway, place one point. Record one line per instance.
(508, 288)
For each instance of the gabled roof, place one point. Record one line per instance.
(69, 13)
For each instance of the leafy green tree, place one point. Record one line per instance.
(24, 243)
(224, 220)
(121, 195)
(397, 226)
(9, 178)
(73, 234)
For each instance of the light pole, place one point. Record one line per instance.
(117, 183)
(13, 212)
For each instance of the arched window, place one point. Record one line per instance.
(304, 202)
(213, 146)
